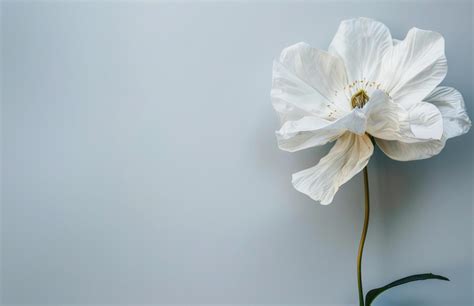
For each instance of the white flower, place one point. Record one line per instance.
(366, 85)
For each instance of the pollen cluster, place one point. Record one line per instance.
(359, 99)
(358, 91)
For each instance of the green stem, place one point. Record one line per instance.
(363, 236)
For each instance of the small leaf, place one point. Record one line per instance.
(372, 294)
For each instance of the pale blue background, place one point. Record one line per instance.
(140, 165)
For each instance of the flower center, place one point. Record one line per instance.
(359, 99)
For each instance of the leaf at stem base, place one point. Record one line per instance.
(372, 294)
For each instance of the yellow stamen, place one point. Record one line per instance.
(359, 99)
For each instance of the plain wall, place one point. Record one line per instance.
(139, 162)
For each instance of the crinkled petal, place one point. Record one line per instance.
(414, 67)
(426, 122)
(403, 151)
(455, 122)
(389, 120)
(314, 131)
(424, 139)
(385, 118)
(450, 103)
(361, 43)
(347, 157)
(305, 81)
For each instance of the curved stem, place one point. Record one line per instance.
(363, 236)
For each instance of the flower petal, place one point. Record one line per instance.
(403, 151)
(347, 157)
(313, 131)
(391, 121)
(385, 118)
(455, 122)
(426, 122)
(450, 103)
(414, 67)
(305, 81)
(425, 138)
(361, 43)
